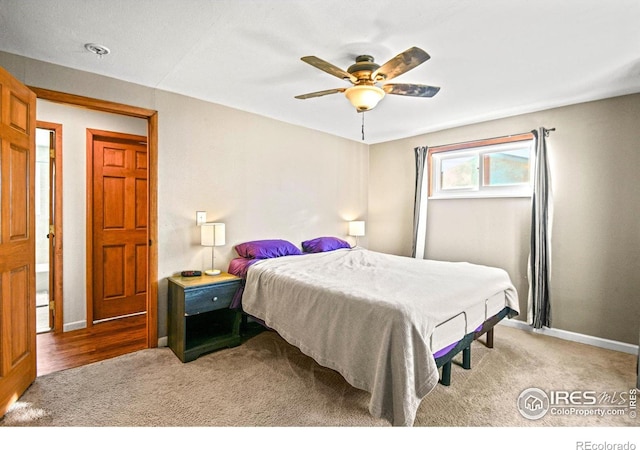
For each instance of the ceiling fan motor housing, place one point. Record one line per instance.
(363, 68)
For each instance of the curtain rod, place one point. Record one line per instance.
(487, 141)
(466, 144)
(547, 131)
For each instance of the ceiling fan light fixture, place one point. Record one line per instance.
(364, 97)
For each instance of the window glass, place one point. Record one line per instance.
(506, 168)
(459, 172)
(499, 167)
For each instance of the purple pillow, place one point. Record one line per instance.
(269, 248)
(324, 244)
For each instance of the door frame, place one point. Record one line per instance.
(56, 256)
(151, 117)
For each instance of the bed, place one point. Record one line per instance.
(386, 323)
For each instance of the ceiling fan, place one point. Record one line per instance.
(365, 75)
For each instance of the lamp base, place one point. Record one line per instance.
(212, 272)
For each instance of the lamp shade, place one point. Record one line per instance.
(364, 97)
(356, 228)
(212, 234)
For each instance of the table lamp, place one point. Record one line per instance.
(356, 228)
(212, 235)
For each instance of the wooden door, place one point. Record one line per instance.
(120, 238)
(17, 240)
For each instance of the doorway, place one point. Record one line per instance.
(150, 278)
(48, 206)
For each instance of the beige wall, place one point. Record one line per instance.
(263, 178)
(595, 163)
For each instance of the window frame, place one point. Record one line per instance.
(478, 148)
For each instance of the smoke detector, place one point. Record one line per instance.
(98, 49)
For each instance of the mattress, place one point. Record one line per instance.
(444, 336)
(451, 330)
(376, 318)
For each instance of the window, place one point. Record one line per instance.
(498, 167)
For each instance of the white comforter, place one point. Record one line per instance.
(369, 316)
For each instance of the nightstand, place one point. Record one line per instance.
(200, 320)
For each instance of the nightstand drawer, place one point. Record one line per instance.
(209, 298)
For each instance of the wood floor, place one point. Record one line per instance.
(59, 351)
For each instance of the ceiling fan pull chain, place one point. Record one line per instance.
(362, 125)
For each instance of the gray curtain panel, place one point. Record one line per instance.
(420, 205)
(539, 266)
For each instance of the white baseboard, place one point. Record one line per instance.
(163, 341)
(74, 325)
(575, 337)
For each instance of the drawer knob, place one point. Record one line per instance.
(214, 299)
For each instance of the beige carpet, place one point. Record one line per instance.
(268, 383)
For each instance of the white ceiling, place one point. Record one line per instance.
(491, 58)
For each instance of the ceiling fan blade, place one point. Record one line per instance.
(401, 63)
(329, 68)
(320, 93)
(412, 90)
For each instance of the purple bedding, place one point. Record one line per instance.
(239, 267)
